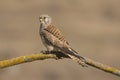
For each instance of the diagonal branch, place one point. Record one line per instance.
(25, 59)
(34, 57)
(103, 67)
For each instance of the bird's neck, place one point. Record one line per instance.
(43, 26)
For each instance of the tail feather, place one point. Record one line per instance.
(75, 56)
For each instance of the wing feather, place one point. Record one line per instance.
(62, 45)
(56, 32)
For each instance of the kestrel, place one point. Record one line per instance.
(54, 40)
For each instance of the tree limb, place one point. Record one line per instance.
(24, 59)
(103, 67)
(34, 57)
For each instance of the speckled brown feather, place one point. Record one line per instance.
(63, 47)
(56, 32)
(56, 39)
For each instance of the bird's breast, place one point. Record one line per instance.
(41, 27)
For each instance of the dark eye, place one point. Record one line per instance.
(44, 17)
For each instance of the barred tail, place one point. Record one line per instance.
(75, 56)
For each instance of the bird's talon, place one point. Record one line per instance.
(45, 52)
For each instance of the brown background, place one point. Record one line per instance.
(91, 26)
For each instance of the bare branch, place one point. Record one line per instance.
(34, 57)
(103, 67)
(24, 59)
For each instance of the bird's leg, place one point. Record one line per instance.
(59, 54)
(45, 52)
(49, 52)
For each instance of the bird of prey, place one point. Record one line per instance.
(54, 40)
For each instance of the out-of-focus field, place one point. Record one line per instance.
(91, 26)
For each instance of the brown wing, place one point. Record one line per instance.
(55, 38)
(56, 33)
(61, 45)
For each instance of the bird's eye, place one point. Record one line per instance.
(44, 17)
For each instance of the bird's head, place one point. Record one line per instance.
(45, 19)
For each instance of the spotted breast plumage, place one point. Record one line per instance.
(54, 40)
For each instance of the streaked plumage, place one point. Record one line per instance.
(54, 40)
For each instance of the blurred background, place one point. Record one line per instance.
(91, 26)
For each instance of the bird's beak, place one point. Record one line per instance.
(40, 20)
